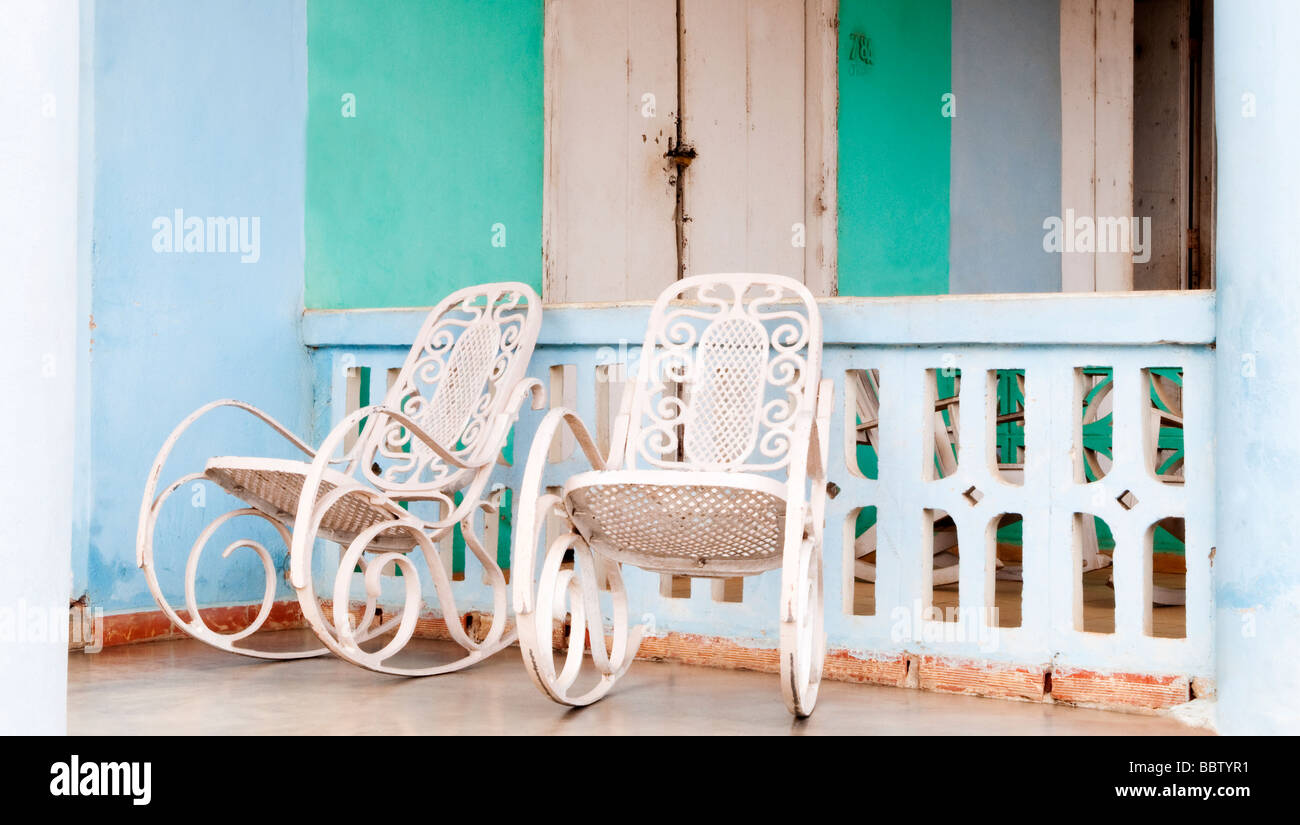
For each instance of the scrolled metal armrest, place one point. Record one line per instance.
(310, 485)
(531, 494)
(813, 426)
(819, 434)
(529, 387)
(546, 433)
(533, 387)
(160, 461)
(345, 426)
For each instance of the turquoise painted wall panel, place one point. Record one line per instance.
(895, 66)
(440, 165)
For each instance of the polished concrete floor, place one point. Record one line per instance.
(185, 687)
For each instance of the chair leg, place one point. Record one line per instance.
(343, 638)
(575, 592)
(194, 625)
(803, 634)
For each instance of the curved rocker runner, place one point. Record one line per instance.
(437, 437)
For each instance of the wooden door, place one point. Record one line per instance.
(611, 107)
(1137, 127)
(684, 137)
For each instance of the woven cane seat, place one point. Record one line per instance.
(274, 485)
(670, 521)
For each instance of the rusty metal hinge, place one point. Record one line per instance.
(681, 154)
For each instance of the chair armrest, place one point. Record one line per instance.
(151, 484)
(525, 389)
(532, 499)
(345, 426)
(533, 387)
(819, 436)
(310, 485)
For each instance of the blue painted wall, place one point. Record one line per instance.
(1006, 146)
(200, 107)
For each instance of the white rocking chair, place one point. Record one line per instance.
(439, 432)
(716, 468)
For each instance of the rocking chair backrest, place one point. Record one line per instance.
(471, 352)
(724, 375)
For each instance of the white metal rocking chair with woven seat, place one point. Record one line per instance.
(439, 433)
(716, 468)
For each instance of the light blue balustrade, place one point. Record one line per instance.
(1052, 338)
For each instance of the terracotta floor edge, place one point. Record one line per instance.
(1080, 687)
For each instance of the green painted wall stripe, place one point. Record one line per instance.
(446, 143)
(895, 66)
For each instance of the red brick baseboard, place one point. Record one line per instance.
(1119, 689)
(1040, 683)
(153, 625)
(981, 678)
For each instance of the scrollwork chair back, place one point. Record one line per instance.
(454, 384)
(724, 373)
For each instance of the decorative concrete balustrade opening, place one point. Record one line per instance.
(1022, 495)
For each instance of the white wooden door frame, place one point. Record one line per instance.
(821, 145)
(1096, 134)
(820, 161)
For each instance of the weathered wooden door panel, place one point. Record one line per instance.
(1160, 139)
(611, 97)
(743, 109)
(754, 198)
(1097, 134)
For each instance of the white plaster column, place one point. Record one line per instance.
(39, 132)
